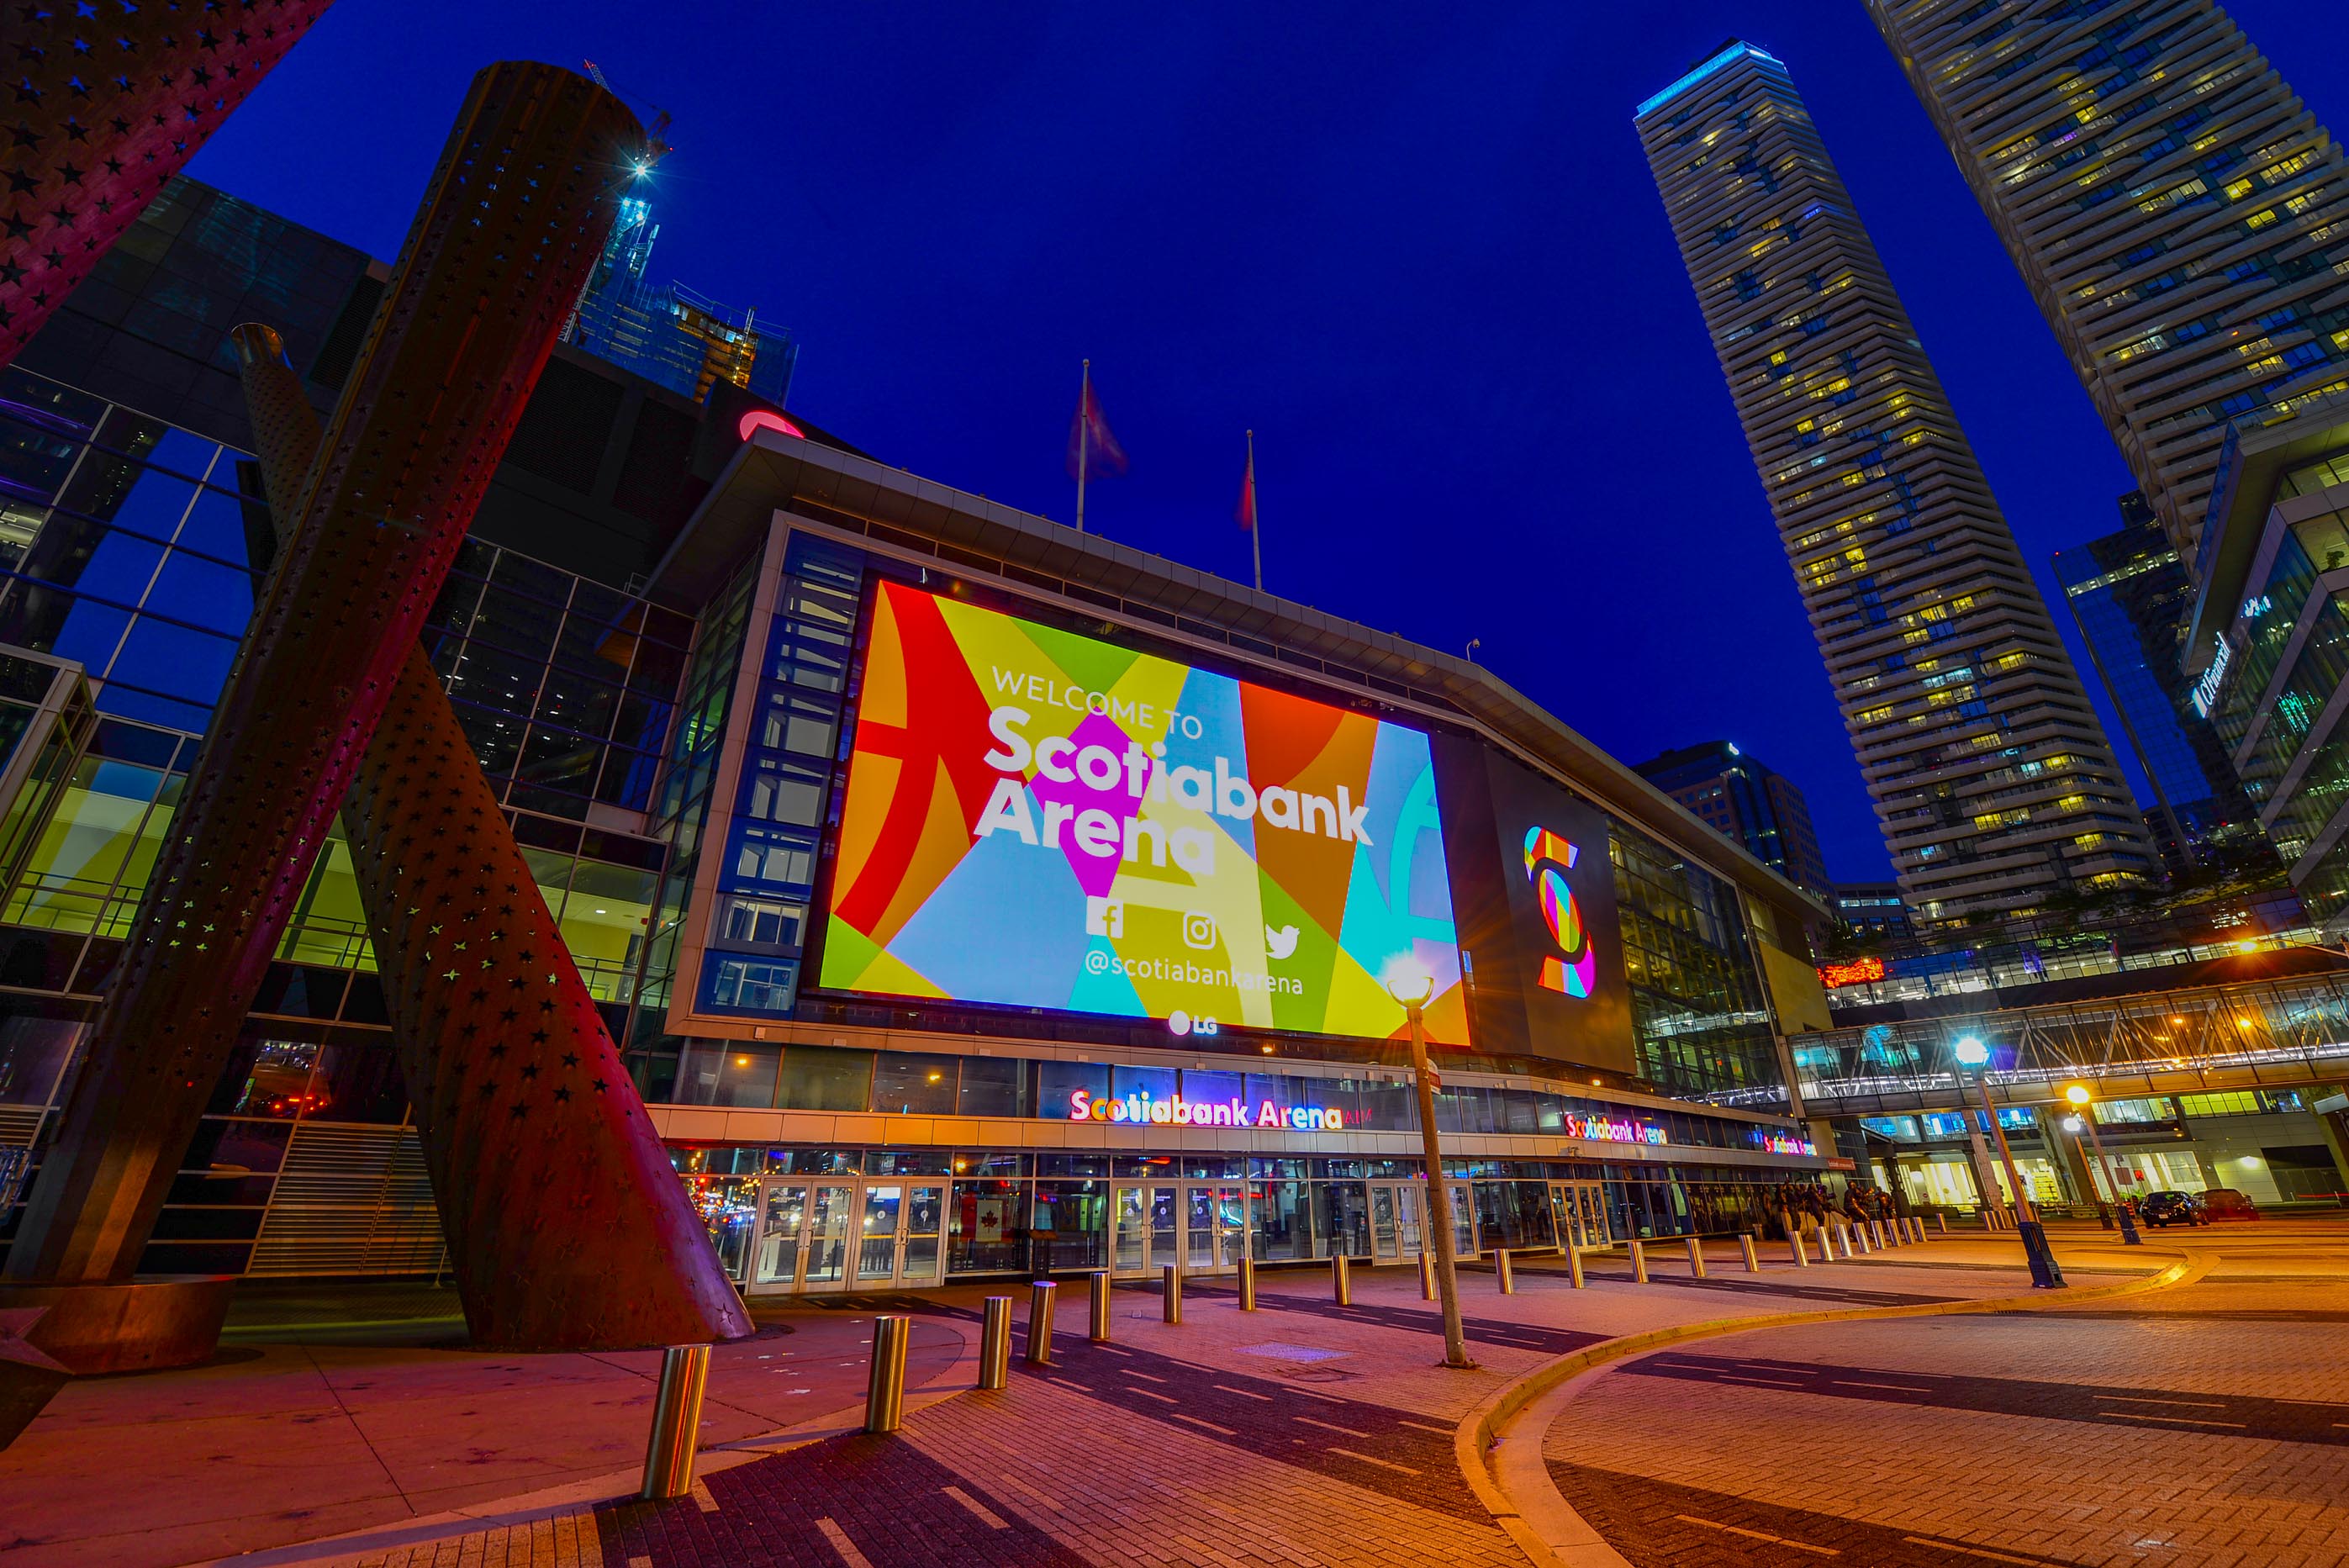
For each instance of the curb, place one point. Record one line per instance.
(1479, 1430)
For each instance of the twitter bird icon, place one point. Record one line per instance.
(1279, 943)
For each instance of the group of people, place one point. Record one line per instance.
(1802, 1206)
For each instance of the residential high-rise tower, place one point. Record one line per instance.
(1990, 776)
(2179, 217)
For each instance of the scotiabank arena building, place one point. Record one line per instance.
(1033, 904)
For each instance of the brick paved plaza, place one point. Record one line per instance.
(2200, 1417)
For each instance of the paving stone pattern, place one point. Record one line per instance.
(2249, 1416)
(1660, 1526)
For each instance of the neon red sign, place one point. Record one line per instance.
(768, 420)
(1855, 972)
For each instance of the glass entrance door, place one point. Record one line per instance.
(1579, 1208)
(1215, 1227)
(848, 1235)
(1397, 1212)
(776, 1261)
(1145, 1230)
(1464, 1219)
(830, 1205)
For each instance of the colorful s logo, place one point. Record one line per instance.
(1548, 859)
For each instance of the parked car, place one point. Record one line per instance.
(2227, 1203)
(2166, 1209)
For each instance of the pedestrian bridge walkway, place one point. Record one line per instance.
(2276, 1034)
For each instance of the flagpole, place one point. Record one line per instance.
(1256, 515)
(1084, 439)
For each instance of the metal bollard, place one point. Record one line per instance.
(1866, 1246)
(676, 1421)
(1943, 1218)
(1041, 1295)
(1696, 1259)
(1247, 1284)
(1745, 1245)
(1170, 1291)
(995, 1343)
(1341, 1279)
(1574, 1268)
(1504, 1275)
(1839, 1239)
(1875, 1234)
(1427, 1277)
(1639, 1262)
(884, 1393)
(1801, 1258)
(1099, 1331)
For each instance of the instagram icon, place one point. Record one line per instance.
(1198, 928)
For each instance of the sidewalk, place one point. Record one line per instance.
(1302, 1433)
(284, 1441)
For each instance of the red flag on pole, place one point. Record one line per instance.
(1093, 451)
(1247, 512)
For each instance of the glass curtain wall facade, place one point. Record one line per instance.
(2275, 694)
(2130, 596)
(135, 549)
(2176, 210)
(1991, 775)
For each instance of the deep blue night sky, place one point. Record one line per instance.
(1416, 248)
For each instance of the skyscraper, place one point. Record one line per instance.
(1991, 779)
(1738, 796)
(2181, 219)
(667, 333)
(2129, 595)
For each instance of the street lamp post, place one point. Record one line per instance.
(1439, 1200)
(2079, 1097)
(2045, 1275)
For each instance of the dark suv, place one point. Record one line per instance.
(2172, 1208)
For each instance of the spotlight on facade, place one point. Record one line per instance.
(1972, 1051)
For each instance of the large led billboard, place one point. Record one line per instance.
(1039, 818)
(1535, 882)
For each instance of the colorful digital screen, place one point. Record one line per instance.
(1039, 818)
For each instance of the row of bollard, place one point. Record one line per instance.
(685, 1368)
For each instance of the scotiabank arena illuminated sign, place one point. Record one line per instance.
(1612, 1129)
(1036, 818)
(1785, 1143)
(1173, 1110)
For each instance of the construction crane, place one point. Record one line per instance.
(656, 148)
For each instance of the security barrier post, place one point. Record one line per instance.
(995, 1343)
(676, 1421)
(1099, 1331)
(1170, 1291)
(1341, 1279)
(885, 1393)
(1639, 1262)
(1041, 1295)
(1502, 1273)
(1745, 1246)
(1247, 1284)
(1696, 1258)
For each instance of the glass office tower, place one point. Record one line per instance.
(1991, 775)
(2130, 598)
(2177, 212)
(1750, 801)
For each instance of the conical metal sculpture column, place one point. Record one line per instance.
(515, 216)
(567, 1223)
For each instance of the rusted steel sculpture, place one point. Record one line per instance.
(108, 101)
(567, 1225)
(516, 213)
